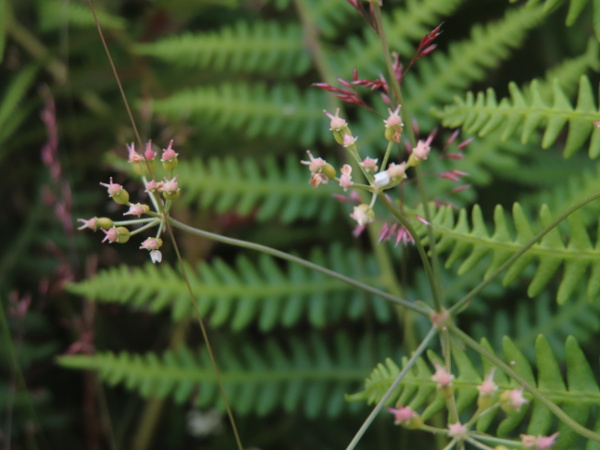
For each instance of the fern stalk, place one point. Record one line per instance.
(291, 258)
(411, 362)
(463, 301)
(164, 214)
(430, 268)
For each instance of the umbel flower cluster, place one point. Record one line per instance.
(378, 177)
(160, 194)
(490, 398)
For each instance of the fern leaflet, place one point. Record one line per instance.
(482, 114)
(294, 374)
(246, 292)
(475, 243)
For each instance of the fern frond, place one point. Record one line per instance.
(55, 14)
(407, 25)
(261, 47)
(245, 292)
(328, 16)
(283, 111)
(13, 111)
(296, 375)
(417, 390)
(578, 318)
(443, 76)
(577, 255)
(483, 113)
(576, 8)
(578, 185)
(266, 189)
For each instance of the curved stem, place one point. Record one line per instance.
(411, 362)
(461, 303)
(553, 407)
(286, 256)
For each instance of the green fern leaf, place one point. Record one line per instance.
(473, 243)
(483, 113)
(418, 391)
(55, 14)
(268, 191)
(261, 47)
(239, 294)
(576, 8)
(305, 375)
(283, 111)
(445, 75)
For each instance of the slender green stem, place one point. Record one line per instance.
(420, 249)
(553, 407)
(407, 119)
(411, 362)
(286, 256)
(463, 301)
(386, 157)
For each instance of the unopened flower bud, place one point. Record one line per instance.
(152, 243)
(116, 192)
(487, 390)
(397, 172)
(443, 380)
(369, 164)
(169, 157)
(419, 153)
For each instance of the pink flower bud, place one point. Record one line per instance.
(120, 235)
(397, 171)
(442, 377)
(421, 151)
(169, 157)
(96, 222)
(348, 141)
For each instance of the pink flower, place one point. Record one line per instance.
(397, 171)
(441, 377)
(111, 235)
(488, 387)
(363, 214)
(153, 185)
(149, 154)
(346, 178)
(401, 415)
(314, 164)
(134, 157)
(90, 223)
(539, 442)
(321, 171)
(137, 210)
(421, 151)
(336, 123)
(113, 188)
(349, 140)
(456, 430)
(513, 400)
(151, 243)
(394, 119)
(369, 164)
(169, 186)
(168, 153)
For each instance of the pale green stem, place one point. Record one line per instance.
(553, 407)
(411, 362)
(458, 306)
(388, 150)
(420, 249)
(286, 256)
(406, 117)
